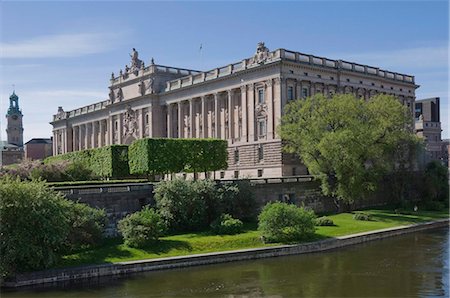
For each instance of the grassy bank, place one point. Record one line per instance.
(112, 250)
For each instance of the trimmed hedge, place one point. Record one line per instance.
(106, 162)
(164, 156)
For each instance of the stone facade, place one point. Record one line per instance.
(428, 126)
(241, 103)
(38, 148)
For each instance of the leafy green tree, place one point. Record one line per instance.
(346, 142)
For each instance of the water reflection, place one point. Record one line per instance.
(414, 265)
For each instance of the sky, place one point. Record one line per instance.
(62, 53)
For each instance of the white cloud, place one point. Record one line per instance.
(421, 57)
(62, 45)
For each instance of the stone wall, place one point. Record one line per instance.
(117, 200)
(120, 200)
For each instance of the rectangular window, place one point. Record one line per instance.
(290, 93)
(236, 174)
(262, 128)
(260, 173)
(260, 153)
(260, 95)
(294, 171)
(305, 92)
(236, 156)
(222, 175)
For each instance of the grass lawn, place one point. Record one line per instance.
(112, 250)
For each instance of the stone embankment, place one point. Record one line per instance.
(125, 268)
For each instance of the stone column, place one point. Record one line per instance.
(230, 115)
(191, 120)
(94, 137)
(64, 140)
(180, 122)
(270, 113)
(86, 136)
(169, 121)
(141, 122)
(101, 141)
(74, 138)
(216, 115)
(251, 112)
(110, 131)
(204, 119)
(277, 97)
(119, 129)
(244, 106)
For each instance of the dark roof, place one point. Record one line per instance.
(39, 141)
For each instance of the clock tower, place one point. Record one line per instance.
(14, 129)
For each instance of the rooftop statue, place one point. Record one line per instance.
(135, 61)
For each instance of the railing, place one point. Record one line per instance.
(104, 188)
(286, 179)
(83, 110)
(291, 56)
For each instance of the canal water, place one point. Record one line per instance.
(414, 265)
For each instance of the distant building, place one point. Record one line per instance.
(12, 149)
(428, 126)
(38, 148)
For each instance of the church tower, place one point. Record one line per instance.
(14, 129)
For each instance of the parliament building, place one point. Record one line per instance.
(241, 102)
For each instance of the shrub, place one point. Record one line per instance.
(226, 224)
(34, 224)
(362, 216)
(281, 222)
(436, 183)
(86, 226)
(187, 205)
(433, 206)
(324, 221)
(142, 227)
(238, 200)
(162, 155)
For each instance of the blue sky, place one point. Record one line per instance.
(63, 53)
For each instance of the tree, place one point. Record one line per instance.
(346, 142)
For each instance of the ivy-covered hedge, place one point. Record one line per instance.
(107, 162)
(163, 156)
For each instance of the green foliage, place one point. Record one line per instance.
(33, 225)
(162, 156)
(227, 225)
(433, 206)
(238, 200)
(362, 216)
(37, 224)
(106, 162)
(323, 221)
(436, 187)
(281, 222)
(141, 228)
(86, 226)
(348, 143)
(187, 205)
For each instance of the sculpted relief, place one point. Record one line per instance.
(130, 124)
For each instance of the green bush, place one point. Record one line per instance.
(281, 222)
(141, 228)
(238, 200)
(324, 221)
(163, 156)
(34, 224)
(107, 162)
(362, 216)
(436, 186)
(187, 205)
(86, 226)
(433, 206)
(226, 225)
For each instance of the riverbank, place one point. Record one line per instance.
(355, 231)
